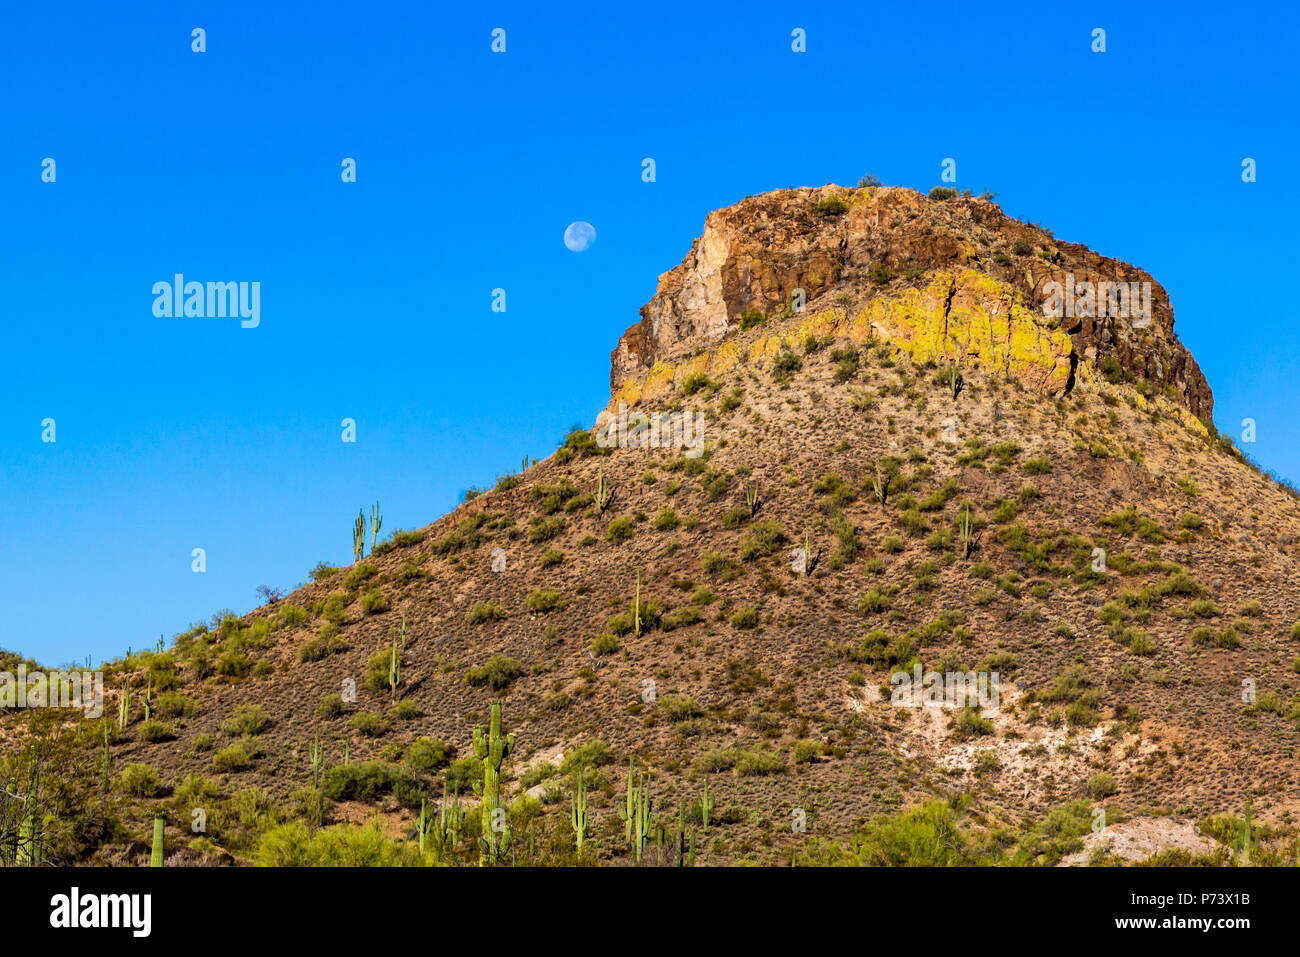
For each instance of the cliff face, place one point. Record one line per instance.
(948, 280)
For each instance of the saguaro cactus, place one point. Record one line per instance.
(317, 759)
(375, 522)
(359, 536)
(422, 825)
(395, 667)
(492, 749)
(880, 486)
(106, 762)
(156, 855)
(124, 707)
(604, 494)
(636, 606)
(578, 812)
(706, 805)
(966, 531)
(636, 812)
(450, 818)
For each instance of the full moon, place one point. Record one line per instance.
(579, 236)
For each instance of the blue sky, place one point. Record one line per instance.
(375, 305)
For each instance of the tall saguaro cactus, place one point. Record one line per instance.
(375, 522)
(492, 749)
(156, 855)
(359, 536)
(578, 812)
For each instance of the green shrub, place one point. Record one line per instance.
(697, 382)
(718, 566)
(359, 574)
(292, 616)
(544, 600)
(1101, 785)
(369, 724)
(426, 755)
(831, 206)
(805, 752)
(406, 710)
(153, 730)
(485, 611)
(762, 539)
(331, 706)
(232, 759)
(666, 520)
(759, 763)
(543, 528)
(139, 780)
(497, 673)
(620, 530)
(604, 644)
(374, 602)
(745, 618)
(248, 719)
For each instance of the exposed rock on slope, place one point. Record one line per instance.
(951, 278)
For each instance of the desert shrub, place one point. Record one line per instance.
(292, 616)
(361, 572)
(759, 763)
(681, 617)
(543, 528)
(718, 566)
(762, 539)
(248, 719)
(970, 723)
(406, 710)
(370, 724)
(873, 602)
(139, 780)
(697, 382)
(604, 644)
(831, 206)
(173, 704)
(1101, 785)
(426, 755)
(745, 618)
(462, 773)
(677, 708)
(620, 530)
(544, 600)
(374, 602)
(359, 781)
(485, 611)
(232, 759)
(551, 557)
(331, 706)
(805, 752)
(497, 673)
(666, 520)
(785, 365)
(153, 730)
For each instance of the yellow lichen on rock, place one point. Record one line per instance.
(971, 317)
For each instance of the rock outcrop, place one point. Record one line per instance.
(948, 280)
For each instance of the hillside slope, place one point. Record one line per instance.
(1125, 572)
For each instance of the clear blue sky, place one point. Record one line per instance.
(181, 433)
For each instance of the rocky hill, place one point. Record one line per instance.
(848, 438)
